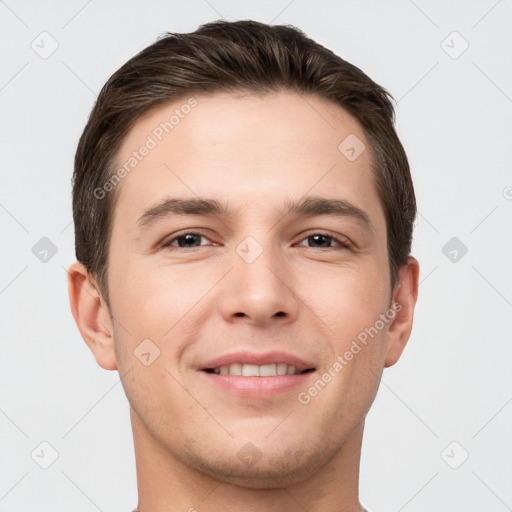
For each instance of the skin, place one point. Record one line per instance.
(251, 152)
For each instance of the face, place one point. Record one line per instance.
(258, 286)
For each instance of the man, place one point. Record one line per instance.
(243, 216)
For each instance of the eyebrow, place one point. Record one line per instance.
(311, 206)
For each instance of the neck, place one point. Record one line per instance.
(166, 483)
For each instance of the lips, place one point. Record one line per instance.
(252, 376)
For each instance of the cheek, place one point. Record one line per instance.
(146, 297)
(350, 303)
(347, 298)
(162, 303)
(351, 306)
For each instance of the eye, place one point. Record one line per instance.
(325, 240)
(191, 240)
(186, 240)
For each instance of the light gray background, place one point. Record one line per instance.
(453, 382)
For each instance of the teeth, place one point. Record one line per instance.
(281, 368)
(250, 370)
(253, 370)
(235, 369)
(268, 370)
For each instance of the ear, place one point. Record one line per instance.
(91, 315)
(405, 294)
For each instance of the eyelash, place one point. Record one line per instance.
(167, 243)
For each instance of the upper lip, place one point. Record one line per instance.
(246, 357)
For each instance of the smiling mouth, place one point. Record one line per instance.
(254, 370)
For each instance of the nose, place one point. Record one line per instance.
(258, 291)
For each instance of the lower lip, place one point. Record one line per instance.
(257, 387)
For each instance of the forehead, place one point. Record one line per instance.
(243, 148)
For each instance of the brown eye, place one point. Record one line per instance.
(188, 240)
(323, 241)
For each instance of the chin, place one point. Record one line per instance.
(278, 470)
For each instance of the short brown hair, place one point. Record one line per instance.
(225, 56)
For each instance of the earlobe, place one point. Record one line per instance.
(91, 315)
(405, 295)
